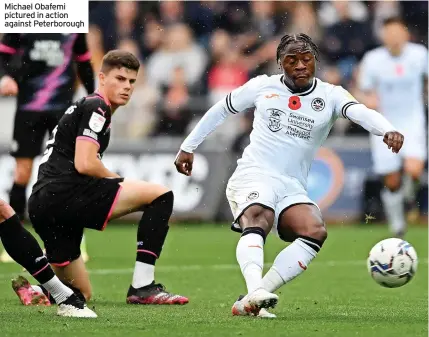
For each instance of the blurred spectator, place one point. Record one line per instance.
(151, 38)
(382, 10)
(346, 41)
(171, 12)
(178, 50)
(329, 15)
(227, 71)
(194, 52)
(304, 20)
(174, 114)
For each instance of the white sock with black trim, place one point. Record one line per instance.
(291, 262)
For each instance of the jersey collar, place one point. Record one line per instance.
(103, 97)
(304, 93)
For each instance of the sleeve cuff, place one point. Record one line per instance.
(83, 57)
(6, 49)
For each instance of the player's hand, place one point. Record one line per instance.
(8, 86)
(394, 140)
(183, 162)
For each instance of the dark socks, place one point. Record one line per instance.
(153, 228)
(18, 200)
(24, 249)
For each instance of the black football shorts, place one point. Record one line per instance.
(60, 211)
(29, 131)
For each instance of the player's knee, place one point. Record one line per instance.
(163, 203)
(319, 232)
(414, 172)
(393, 182)
(23, 173)
(257, 216)
(316, 230)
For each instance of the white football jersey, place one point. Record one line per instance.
(397, 81)
(288, 128)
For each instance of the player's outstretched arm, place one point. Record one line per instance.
(238, 100)
(377, 124)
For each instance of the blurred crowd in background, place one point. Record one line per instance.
(194, 53)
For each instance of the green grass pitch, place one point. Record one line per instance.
(335, 297)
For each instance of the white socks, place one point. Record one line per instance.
(144, 274)
(57, 289)
(250, 257)
(393, 203)
(289, 263)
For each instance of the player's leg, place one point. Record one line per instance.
(389, 166)
(414, 153)
(156, 201)
(62, 249)
(25, 250)
(393, 199)
(413, 170)
(75, 275)
(302, 224)
(28, 134)
(252, 204)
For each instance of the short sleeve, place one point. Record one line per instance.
(80, 49)
(243, 97)
(342, 101)
(366, 79)
(93, 122)
(10, 43)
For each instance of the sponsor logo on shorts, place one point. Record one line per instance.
(318, 104)
(252, 196)
(89, 133)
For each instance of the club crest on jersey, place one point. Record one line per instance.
(252, 196)
(318, 104)
(275, 119)
(96, 122)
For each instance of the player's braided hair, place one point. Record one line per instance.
(289, 39)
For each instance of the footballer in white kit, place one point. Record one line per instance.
(294, 114)
(392, 80)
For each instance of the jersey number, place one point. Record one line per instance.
(49, 150)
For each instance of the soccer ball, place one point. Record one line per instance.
(392, 262)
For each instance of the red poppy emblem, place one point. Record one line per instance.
(294, 103)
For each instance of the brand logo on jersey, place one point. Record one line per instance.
(96, 122)
(272, 96)
(318, 104)
(102, 111)
(89, 133)
(275, 119)
(252, 196)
